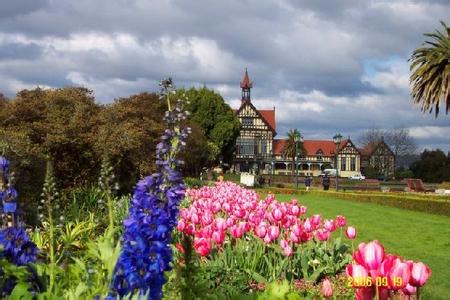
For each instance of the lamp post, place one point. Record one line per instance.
(297, 139)
(271, 167)
(337, 140)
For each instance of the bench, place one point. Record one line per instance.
(416, 185)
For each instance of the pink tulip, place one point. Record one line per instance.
(230, 222)
(284, 243)
(399, 270)
(287, 251)
(202, 246)
(419, 274)
(181, 225)
(185, 214)
(307, 226)
(221, 224)
(358, 273)
(260, 231)
(277, 214)
(369, 255)
(267, 239)
(327, 288)
(297, 229)
(274, 232)
(329, 225)
(315, 219)
(295, 210)
(294, 238)
(207, 219)
(350, 232)
(236, 231)
(218, 237)
(341, 221)
(322, 235)
(303, 210)
(189, 229)
(195, 219)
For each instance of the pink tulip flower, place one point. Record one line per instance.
(283, 243)
(419, 274)
(329, 225)
(218, 237)
(267, 239)
(307, 226)
(295, 210)
(401, 270)
(260, 231)
(274, 232)
(370, 255)
(350, 232)
(195, 219)
(297, 229)
(315, 219)
(341, 221)
(358, 273)
(303, 210)
(202, 246)
(287, 251)
(326, 288)
(221, 224)
(322, 235)
(181, 225)
(409, 290)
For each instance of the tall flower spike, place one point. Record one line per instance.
(146, 252)
(8, 195)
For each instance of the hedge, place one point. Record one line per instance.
(432, 205)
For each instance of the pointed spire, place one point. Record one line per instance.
(246, 83)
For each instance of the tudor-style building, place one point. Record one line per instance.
(258, 151)
(254, 143)
(379, 157)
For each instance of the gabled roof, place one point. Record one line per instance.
(328, 148)
(267, 115)
(370, 148)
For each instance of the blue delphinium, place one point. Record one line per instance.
(17, 246)
(146, 252)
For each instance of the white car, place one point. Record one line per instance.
(357, 177)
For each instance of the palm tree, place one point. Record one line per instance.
(430, 67)
(289, 147)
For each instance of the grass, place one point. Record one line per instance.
(412, 235)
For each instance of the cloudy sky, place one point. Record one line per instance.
(327, 66)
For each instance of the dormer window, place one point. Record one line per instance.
(319, 154)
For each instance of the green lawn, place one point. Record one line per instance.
(412, 235)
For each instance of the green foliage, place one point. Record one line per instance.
(433, 166)
(430, 72)
(428, 204)
(215, 117)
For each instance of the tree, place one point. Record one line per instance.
(433, 166)
(289, 149)
(129, 130)
(201, 153)
(220, 125)
(430, 67)
(399, 140)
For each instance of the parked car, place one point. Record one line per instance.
(329, 172)
(357, 177)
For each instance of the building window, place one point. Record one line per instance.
(247, 121)
(343, 163)
(353, 164)
(319, 155)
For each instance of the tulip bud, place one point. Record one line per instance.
(327, 288)
(350, 232)
(419, 274)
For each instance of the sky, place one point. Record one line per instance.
(326, 66)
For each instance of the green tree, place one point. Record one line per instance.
(430, 67)
(220, 125)
(129, 130)
(290, 148)
(433, 166)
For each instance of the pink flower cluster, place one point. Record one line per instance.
(228, 210)
(374, 269)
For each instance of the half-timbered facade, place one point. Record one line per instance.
(254, 143)
(380, 158)
(258, 151)
(320, 155)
